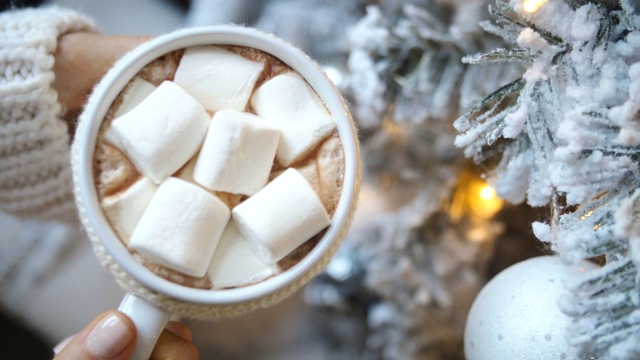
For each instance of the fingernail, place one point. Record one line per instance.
(109, 337)
(61, 345)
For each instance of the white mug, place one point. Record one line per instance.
(148, 314)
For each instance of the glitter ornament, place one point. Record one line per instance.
(516, 315)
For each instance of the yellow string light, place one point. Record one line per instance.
(487, 193)
(475, 197)
(587, 215)
(485, 203)
(532, 5)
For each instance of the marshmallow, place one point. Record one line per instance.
(181, 227)
(137, 91)
(234, 264)
(237, 154)
(125, 208)
(280, 217)
(162, 133)
(186, 172)
(294, 107)
(217, 78)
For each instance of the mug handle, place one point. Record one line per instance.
(149, 320)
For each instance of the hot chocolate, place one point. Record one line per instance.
(218, 166)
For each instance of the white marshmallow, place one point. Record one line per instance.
(186, 172)
(234, 264)
(134, 94)
(280, 217)
(217, 78)
(181, 227)
(237, 154)
(298, 112)
(162, 133)
(125, 208)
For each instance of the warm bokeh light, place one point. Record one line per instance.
(396, 130)
(478, 234)
(486, 202)
(487, 193)
(532, 5)
(587, 215)
(475, 197)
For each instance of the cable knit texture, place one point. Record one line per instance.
(35, 176)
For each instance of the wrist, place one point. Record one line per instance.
(81, 59)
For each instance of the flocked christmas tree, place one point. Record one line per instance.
(566, 135)
(557, 128)
(544, 97)
(414, 269)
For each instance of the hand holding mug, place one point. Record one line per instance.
(112, 336)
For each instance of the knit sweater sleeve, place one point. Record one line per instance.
(35, 175)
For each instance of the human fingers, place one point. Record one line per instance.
(175, 344)
(110, 336)
(180, 329)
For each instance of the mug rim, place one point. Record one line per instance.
(125, 69)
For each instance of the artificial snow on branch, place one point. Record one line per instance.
(423, 260)
(405, 61)
(567, 135)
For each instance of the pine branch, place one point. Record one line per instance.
(509, 35)
(509, 15)
(499, 98)
(566, 117)
(625, 15)
(606, 301)
(615, 151)
(604, 33)
(501, 55)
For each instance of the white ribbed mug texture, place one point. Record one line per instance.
(132, 275)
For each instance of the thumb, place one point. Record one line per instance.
(110, 336)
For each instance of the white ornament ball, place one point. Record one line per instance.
(516, 315)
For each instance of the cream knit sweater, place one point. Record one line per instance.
(35, 176)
